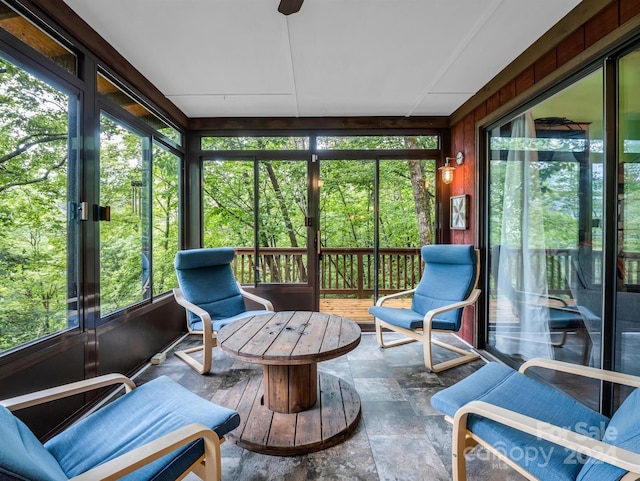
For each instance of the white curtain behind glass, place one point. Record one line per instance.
(522, 274)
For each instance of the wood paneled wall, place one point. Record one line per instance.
(542, 65)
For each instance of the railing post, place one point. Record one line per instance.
(360, 258)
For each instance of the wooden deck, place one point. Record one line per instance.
(357, 309)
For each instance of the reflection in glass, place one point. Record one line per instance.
(18, 26)
(115, 94)
(545, 229)
(628, 296)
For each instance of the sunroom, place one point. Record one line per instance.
(111, 165)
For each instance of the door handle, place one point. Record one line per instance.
(318, 243)
(102, 212)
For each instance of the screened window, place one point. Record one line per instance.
(377, 142)
(254, 143)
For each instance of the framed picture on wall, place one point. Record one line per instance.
(459, 218)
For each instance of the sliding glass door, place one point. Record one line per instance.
(545, 193)
(627, 322)
(563, 197)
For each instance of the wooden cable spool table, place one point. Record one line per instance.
(291, 408)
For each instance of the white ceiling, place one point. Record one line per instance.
(241, 58)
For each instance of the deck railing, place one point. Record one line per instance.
(350, 271)
(343, 271)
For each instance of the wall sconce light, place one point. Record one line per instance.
(447, 170)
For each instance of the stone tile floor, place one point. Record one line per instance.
(400, 436)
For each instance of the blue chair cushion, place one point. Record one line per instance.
(143, 415)
(197, 258)
(22, 456)
(622, 431)
(206, 279)
(219, 324)
(505, 387)
(449, 276)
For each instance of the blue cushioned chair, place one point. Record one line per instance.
(158, 431)
(542, 432)
(212, 298)
(448, 284)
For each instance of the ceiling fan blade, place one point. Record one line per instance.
(287, 7)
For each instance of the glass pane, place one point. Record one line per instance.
(254, 143)
(228, 211)
(347, 271)
(545, 230)
(406, 223)
(124, 239)
(36, 38)
(120, 97)
(165, 242)
(282, 234)
(228, 203)
(377, 142)
(229, 193)
(37, 240)
(628, 297)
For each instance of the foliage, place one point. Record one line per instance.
(33, 207)
(38, 251)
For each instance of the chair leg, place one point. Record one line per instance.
(426, 339)
(207, 355)
(463, 356)
(399, 342)
(459, 450)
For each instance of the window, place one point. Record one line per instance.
(378, 142)
(164, 235)
(125, 213)
(38, 291)
(230, 190)
(254, 143)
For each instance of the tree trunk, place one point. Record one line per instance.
(423, 199)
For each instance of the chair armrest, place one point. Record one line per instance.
(207, 330)
(260, 300)
(625, 459)
(190, 306)
(66, 390)
(585, 371)
(383, 299)
(143, 455)
(473, 297)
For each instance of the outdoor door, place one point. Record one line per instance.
(260, 208)
(374, 216)
(326, 231)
